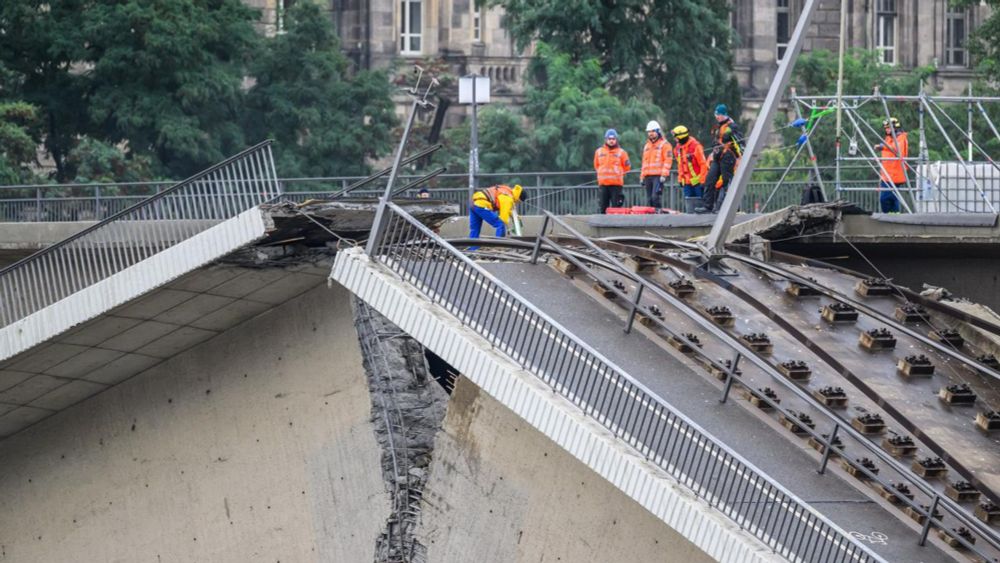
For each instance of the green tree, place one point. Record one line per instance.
(325, 121)
(167, 76)
(93, 160)
(677, 51)
(17, 144)
(41, 44)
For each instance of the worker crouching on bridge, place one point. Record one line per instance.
(493, 205)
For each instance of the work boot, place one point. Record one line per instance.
(701, 210)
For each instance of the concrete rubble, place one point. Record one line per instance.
(408, 409)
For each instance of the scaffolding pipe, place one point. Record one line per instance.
(877, 159)
(958, 155)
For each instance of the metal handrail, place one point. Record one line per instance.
(604, 391)
(138, 232)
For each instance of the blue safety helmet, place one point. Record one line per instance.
(610, 133)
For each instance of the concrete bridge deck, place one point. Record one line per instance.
(792, 464)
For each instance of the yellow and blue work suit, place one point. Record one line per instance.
(494, 206)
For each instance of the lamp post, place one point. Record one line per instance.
(474, 89)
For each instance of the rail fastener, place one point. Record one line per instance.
(839, 313)
(919, 515)
(930, 468)
(877, 339)
(910, 313)
(565, 267)
(641, 265)
(962, 491)
(796, 370)
(797, 423)
(988, 420)
(870, 287)
(951, 536)
(868, 423)
(988, 512)
(895, 493)
(681, 287)
(756, 398)
(721, 315)
(758, 342)
(853, 470)
(989, 360)
(958, 394)
(720, 369)
(948, 336)
(833, 397)
(915, 366)
(686, 343)
(838, 445)
(798, 290)
(899, 446)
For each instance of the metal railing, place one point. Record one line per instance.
(635, 415)
(563, 193)
(138, 232)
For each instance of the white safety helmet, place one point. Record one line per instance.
(652, 126)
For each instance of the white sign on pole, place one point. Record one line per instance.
(482, 88)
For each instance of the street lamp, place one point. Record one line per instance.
(474, 89)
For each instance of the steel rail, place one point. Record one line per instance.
(577, 259)
(833, 294)
(831, 361)
(144, 203)
(368, 180)
(766, 366)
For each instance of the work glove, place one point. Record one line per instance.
(663, 180)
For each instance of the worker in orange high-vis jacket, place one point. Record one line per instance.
(657, 158)
(494, 205)
(895, 149)
(611, 163)
(691, 166)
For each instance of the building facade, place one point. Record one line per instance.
(906, 33)
(462, 38)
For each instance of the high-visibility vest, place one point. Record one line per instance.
(491, 194)
(892, 158)
(657, 158)
(733, 145)
(611, 165)
(691, 165)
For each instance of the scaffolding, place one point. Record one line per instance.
(959, 185)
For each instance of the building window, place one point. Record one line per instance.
(281, 10)
(955, 53)
(477, 22)
(410, 27)
(885, 32)
(783, 31)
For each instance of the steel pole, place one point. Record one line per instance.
(716, 241)
(474, 144)
(372, 243)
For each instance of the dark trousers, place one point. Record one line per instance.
(723, 165)
(654, 191)
(611, 196)
(887, 199)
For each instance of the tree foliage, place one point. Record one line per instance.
(677, 51)
(564, 119)
(133, 89)
(325, 122)
(17, 144)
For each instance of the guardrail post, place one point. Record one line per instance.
(538, 240)
(38, 204)
(634, 308)
(930, 517)
(730, 374)
(828, 449)
(97, 203)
